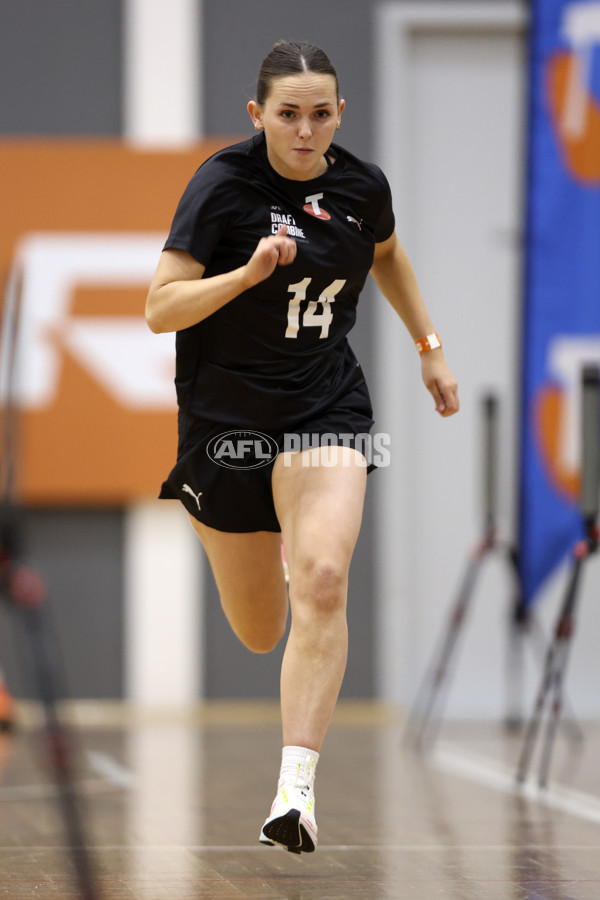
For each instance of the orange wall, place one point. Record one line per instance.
(80, 443)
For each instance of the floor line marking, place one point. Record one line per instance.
(108, 768)
(479, 769)
(111, 775)
(17, 792)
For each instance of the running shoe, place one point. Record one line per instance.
(291, 823)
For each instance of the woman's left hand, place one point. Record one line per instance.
(440, 383)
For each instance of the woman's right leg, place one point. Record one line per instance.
(248, 571)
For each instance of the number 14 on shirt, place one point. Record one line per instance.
(311, 317)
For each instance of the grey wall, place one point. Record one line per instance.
(60, 67)
(78, 553)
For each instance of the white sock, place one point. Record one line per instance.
(298, 765)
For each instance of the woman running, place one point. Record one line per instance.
(260, 277)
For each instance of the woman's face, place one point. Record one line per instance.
(299, 117)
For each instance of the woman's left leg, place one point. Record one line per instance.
(319, 496)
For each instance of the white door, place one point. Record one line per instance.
(451, 116)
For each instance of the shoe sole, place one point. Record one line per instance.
(287, 831)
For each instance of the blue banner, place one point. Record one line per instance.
(562, 289)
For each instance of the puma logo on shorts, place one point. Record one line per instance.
(187, 490)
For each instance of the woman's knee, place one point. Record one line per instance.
(319, 584)
(259, 625)
(263, 641)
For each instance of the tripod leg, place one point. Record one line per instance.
(589, 499)
(518, 627)
(60, 748)
(25, 592)
(564, 633)
(554, 715)
(552, 670)
(419, 722)
(568, 722)
(517, 631)
(536, 719)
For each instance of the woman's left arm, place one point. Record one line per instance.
(396, 280)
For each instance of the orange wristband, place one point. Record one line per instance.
(431, 342)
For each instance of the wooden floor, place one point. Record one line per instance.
(175, 806)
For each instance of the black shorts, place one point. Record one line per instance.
(223, 474)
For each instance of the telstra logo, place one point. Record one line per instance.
(571, 77)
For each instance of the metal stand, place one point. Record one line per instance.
(551, 688)
(24, 593)
(426, 714)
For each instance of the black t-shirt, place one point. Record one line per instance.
(277, 355)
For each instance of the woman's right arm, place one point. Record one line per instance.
(180, 296)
